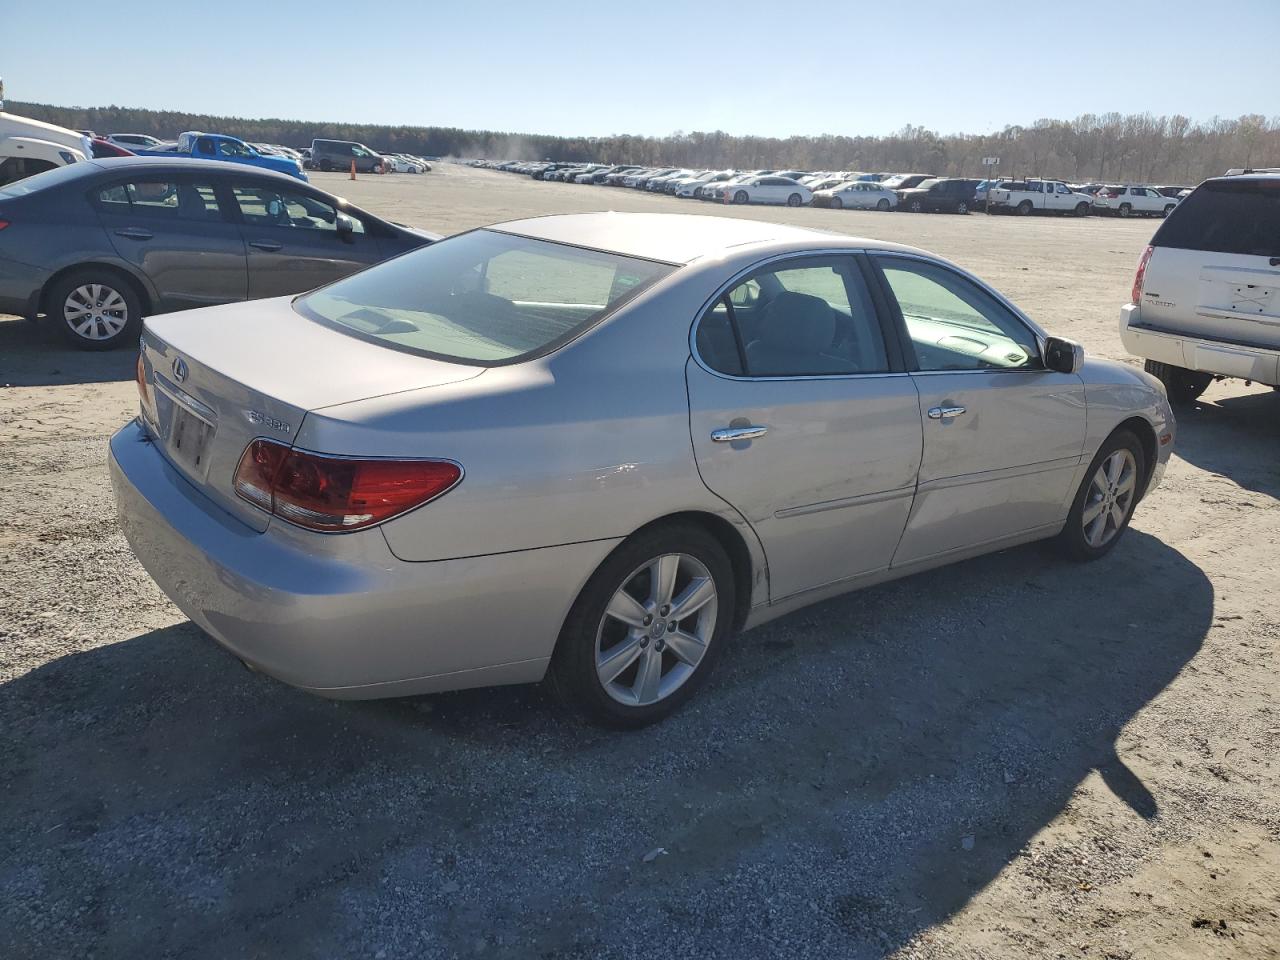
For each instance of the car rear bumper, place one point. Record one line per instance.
(339, 615)
(1192, 353)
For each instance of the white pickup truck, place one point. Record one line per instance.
(1206, 298)
(1039, 196)
(31, 146)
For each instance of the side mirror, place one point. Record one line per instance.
(346, 229)
(1062, 355)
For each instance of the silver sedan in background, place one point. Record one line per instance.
(599, 445)
(856, 195)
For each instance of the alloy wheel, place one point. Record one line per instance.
(656, 629)
(1110, 498)
(95, 311)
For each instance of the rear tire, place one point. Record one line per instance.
(962, 207)
(1169, 208)
(882, 204)
(837, 203)
(1125, 210)
(1024, 208)
(1104, 504)
(326, 166)
(592, 635)
(95, 308)
(1183, 386)
(740, 197)
(795, 200)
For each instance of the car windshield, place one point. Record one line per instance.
(483, 297)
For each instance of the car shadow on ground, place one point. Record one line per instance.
(34, 355)
(853, 775)
(1235, 436)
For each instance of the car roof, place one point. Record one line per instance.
(180, 163)
(672, 237)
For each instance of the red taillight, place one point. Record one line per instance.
(4, 223)
(337, 493)
(1141, 275)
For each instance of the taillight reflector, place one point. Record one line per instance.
(1141, 275)
(334, 494)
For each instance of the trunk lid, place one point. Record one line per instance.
(221, 376)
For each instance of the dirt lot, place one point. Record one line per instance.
(1015, 758)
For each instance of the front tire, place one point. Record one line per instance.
(95, 309)
(645, 632)
(1082, 209)
(1169, 209)
(915, 206)
(1182, 386)
(1104, 504)
(837, 203)
(962, 208)
(740, 197)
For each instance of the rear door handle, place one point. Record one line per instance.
(944, 413)
(269, 245)
(729, 434)
(134, 233)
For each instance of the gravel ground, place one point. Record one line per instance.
(1015, 757)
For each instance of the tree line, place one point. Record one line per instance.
(1109, 146)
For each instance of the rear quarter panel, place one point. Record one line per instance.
(588, 444)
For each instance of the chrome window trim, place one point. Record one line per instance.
(737, 278)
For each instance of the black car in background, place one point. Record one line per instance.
(95, 246)
(947, 195)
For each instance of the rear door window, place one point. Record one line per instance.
(1226, 216)
(159, 199)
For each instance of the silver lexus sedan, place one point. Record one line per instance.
(600, 444)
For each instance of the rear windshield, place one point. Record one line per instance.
(483, 297)
(45, 180)
(1226, 216)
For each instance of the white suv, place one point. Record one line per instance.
(1131, 201)
(1206, 299)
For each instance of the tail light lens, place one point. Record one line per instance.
(1141, 275)
(4, 223)
(337, 494)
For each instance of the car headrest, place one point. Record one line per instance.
(798, 321)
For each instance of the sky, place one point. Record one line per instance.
(595, 68)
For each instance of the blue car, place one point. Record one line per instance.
(217, 146)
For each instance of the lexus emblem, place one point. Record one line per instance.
(179, 369)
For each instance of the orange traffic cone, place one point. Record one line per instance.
(353, 169)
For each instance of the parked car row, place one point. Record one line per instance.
(839, 189)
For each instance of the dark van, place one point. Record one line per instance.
(338, 154)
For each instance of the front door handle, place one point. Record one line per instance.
(269, 245)
(944, 413)
(729, 434)
(134, 233)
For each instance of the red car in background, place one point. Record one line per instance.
(105, 148)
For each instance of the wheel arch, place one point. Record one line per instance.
(140, 286)
(728, 536)
(1141, 428)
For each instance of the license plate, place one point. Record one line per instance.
(190, 437)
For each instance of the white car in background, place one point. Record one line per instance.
(402, 164)
(135, 141)
(690, 186)
(858, 195)
(1127, 200)
(769, 189)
